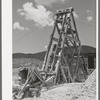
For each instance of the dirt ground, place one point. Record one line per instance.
(72, 91)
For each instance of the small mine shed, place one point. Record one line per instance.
(90, 56)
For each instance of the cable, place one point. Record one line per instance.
(23, 36)
(43, 24)
(28, 33)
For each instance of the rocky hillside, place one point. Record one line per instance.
(40, 55)
(26, 62)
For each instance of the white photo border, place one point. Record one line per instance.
(7, 49)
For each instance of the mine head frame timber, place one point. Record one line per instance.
(64, 60)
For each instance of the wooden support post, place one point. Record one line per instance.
(56, 71)
(60, 35)
(22, 89)
(74, 25)
(77, 64)
(85, 73)
(59, 75)
(71, 38)
(70, 77)
(36, 72)
(49, 46)
(64, 76)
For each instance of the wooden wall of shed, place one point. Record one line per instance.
(87, 62)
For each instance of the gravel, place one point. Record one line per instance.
(70, 91)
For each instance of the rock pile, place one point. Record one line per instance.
(72, 91)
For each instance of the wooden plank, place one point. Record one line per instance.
(22, 89)
(36, 72)
(64, 76)
(72, 34)
(54, 61)
(35, 84)
(70, 41)
(48, 74)
(33, 76)
(70, 77)
(55, 39)
(77, 64)
(85, 67)
(56, 71)
(59, 20)
(58, 78)
(67, 67)
(74, 25)
(50, 79)
(85, 74)
(65, 60)
(71, 38)
(64, 11)
(60, 13)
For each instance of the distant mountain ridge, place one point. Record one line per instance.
(41, 55)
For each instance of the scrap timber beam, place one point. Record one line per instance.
(34, 80)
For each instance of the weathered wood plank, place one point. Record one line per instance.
(64, 76)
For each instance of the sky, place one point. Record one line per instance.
(33, 22)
